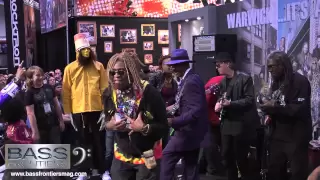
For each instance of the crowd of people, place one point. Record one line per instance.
(146, 123)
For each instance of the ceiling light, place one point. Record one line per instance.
(199, 18)
(187, 20)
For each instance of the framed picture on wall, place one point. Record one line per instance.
(148, 59)
(128, 36)
(107, 30)
(147, 45)
(132, 50)
(179, 32)
(88, 28)
(165, 51)
(163, 37)
(93, 48)
(108, 47)
(148, 30)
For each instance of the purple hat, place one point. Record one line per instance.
(179, 56)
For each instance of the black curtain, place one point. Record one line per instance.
(53, 53)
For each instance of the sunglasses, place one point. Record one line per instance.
(120, 72)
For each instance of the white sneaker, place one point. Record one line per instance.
(82, 178)
(106, 176)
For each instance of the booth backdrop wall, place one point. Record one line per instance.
(120, 23)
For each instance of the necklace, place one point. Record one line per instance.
(126, 103)
(124, 92)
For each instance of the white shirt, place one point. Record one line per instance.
(185, 74)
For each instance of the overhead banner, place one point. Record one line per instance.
(142, 8)
(21, 17)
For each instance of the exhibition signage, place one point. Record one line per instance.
(264, 16)
(21, 18)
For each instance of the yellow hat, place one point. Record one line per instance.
(81, 41)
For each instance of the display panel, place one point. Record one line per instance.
(3, 47)
(205, 43)
(142, 8)
(52, 14)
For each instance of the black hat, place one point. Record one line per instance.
(224, 57)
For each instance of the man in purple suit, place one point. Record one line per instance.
(189, 120)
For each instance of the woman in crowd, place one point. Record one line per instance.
(164, 82)
(43, 108)
(52, 81)
(135, 111)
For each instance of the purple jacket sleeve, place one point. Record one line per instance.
(193, 100)
(8, 92)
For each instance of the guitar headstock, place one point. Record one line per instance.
(214, 89)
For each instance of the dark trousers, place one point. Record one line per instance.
(165, 139)
(282, 152)
(109, 149)
(50, 136)
(235, 151)
(89, 136)
(170, 159)
(68, 135)
(125, 171)
(212, 152)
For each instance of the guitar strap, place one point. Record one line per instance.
(228, 92)
(230, 86)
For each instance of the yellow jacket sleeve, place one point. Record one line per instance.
(66, 92)
(104, 81)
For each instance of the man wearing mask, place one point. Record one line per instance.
(190, 119)
(84, 81)
(238, 115)
(290, 113)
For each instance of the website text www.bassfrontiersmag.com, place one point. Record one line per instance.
(50, 173)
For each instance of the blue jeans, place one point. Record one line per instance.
(109, 148)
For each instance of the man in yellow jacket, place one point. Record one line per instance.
(84, 81)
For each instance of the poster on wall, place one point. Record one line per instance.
(52, 14)
(298, 35)
(30, 35)
(253, 26)
(140, 8)
(89, 28)
(23, 26)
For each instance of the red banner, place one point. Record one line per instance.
(139, 8)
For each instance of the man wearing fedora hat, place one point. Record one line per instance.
(83, 84)
(190, 119)
(239, 118)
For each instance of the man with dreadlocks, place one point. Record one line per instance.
(135, 111)
(84, 81)
(290, 113)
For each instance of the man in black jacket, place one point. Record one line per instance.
(238, 115)
(290, 113)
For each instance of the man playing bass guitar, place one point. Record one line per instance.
(240, 119)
